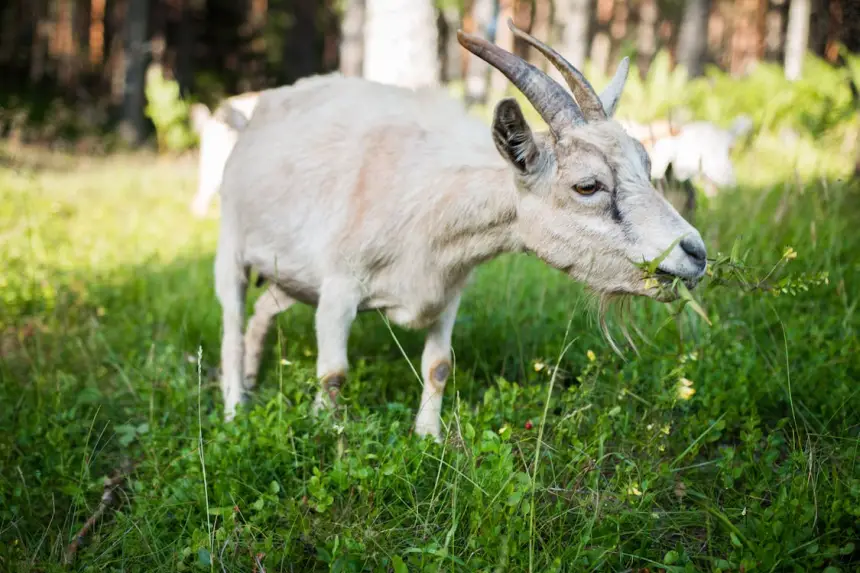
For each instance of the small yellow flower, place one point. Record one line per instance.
(591, 356)
(685, 389)
(651, 283)
(285, 362)
(633, 490)
(789, 253)
(538, 366)
(666, 429)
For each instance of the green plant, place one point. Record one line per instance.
(168, 112)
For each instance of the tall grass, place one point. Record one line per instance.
(724, 446)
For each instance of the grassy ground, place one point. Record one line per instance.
(106, 302)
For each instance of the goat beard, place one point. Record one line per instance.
(617, 305)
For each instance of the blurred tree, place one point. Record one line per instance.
(401, 42)
(449, 20)
(601, 44)
(542, 29)
(133, 124)
(571, 32)
(477, 70)
(97, 33)
(693, 36)
(352, 37)
(505, 39)
(834, 31)
(646, 34)
(774, 28)
(796, 37)
(747, 31)
(252, 33)
(301, 55)
(188, 11)
(63, 42)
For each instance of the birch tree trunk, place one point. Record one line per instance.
(450, 55)
(401, 42)
(571, 23)
(693, 37)
(352, 38)
(796, 38)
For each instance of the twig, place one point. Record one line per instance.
(111, 484)
(258, 563)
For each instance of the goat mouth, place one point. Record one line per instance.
(667, 279)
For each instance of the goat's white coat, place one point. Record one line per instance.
(351, 195)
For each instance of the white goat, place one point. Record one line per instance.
(218, 132)
(696, 150)
(350, 195)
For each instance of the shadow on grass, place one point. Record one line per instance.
(93, 363)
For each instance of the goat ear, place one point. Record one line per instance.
(513, 136)
(611, 94)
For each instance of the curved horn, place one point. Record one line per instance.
(554, 104)
(585, 95)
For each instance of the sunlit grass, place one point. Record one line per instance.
(717, 446)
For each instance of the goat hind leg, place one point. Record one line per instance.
(271, 303)
(231, 282)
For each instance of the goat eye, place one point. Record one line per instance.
(586, 188)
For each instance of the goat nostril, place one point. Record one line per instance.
(695, 249)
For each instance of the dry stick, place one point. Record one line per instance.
(111, 485)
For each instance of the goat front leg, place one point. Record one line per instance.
(435, 369)
(336, 311)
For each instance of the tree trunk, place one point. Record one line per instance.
(834, 31)
(571, 23)
(97, 33)
(400, 42)
(601, 44)
(9, 34)
(64, 46)
(773, 29)
(185, 51)
(746, 44)
(542, 30)
(133, 125)
(504, 39)
(450, 54)
(114, 69)
(646, 35)
(477, 70)
(796, 38)
(301, 57)
(693, 37)
(352, 38)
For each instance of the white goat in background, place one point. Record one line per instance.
(697, 150)
(350, 196)
(218, 132)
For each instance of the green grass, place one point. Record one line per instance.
(106, 298)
